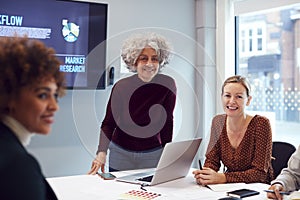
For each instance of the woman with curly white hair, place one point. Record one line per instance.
(139, 114)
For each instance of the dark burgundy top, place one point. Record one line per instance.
(139, 115)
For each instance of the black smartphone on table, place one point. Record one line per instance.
(107, 176)
(241, 193)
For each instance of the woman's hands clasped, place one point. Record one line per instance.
(208, 176)
(98, 162)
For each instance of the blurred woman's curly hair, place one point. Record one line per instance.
(134, 45)
(25, 62)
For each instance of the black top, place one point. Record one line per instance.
(20, 173)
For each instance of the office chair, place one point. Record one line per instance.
(281, 153)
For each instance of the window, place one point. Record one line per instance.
(252, 38)
(268, 54)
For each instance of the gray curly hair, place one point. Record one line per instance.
(134, 45)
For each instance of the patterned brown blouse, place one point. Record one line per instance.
(251, 160)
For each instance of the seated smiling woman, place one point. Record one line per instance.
(243, 143)
(30, 84)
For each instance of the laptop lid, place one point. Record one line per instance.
(174, 163)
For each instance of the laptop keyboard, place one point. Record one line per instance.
(146, 178)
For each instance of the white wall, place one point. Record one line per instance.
(71, 146)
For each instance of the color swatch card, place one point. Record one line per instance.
(139, 195)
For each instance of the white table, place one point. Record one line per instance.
(92, 187)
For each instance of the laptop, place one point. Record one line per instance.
(175, 162)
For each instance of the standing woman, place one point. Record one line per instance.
(30, 83)
(243, 143)
(139, 114)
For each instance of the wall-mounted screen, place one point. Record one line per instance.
(76, 30)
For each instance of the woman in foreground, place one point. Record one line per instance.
(30, 84)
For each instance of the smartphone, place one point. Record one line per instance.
(241, 193)
(280, 192)
(107, 176)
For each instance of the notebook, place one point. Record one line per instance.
(175, 162)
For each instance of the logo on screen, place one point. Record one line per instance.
(70, 31)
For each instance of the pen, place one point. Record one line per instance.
(280, 192)
(200, 165)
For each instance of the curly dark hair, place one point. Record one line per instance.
(25, 62)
